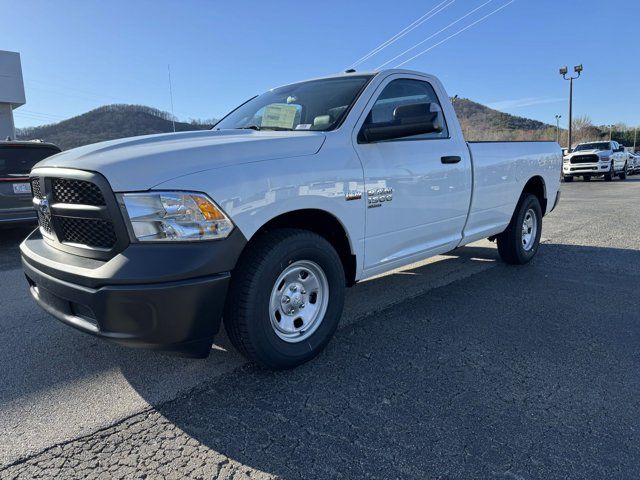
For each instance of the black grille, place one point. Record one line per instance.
(77, 192)
(44, 222)
(86, 231)
(35, 188)
(77, 214)
(584, 159)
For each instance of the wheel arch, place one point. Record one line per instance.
(322, 223)
(537, 186)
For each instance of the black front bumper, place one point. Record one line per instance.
(166, 297)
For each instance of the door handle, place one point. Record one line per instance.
(452, 159)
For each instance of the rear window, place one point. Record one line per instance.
(17, 160)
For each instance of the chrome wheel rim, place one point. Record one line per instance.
(298, 302)
(529, 229)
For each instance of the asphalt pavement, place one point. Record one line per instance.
(458, 367)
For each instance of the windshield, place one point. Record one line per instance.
(313, 105)
(593, 146)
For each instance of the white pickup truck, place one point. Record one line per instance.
(593, 159)
(263, 221)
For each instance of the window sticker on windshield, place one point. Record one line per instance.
(279, 115)
(303, 126)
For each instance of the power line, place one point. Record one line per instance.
(22, 110)
(434, 35)
(430, 14)
(455, 34)
(67, 89)
(82, 96)
(37, 116)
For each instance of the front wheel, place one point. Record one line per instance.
(285, 299)
(610, 174)
(519, 243)
(568, 178)
(624, 172)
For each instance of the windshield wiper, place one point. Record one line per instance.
(258, 128)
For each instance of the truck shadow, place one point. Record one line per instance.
(10, 239)
(499, 374)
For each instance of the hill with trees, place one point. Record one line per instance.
(107, 123)
(480, 122)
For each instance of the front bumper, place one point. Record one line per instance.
(578, 169)
(165, 297)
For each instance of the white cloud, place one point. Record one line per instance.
(523, 102)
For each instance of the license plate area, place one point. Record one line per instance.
(22, 188)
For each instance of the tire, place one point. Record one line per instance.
(511, 242)
(255, 324)
(624, 172)
(586, 178)
(568, 178)
(610, 174)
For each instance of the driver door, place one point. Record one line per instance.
(418, 188)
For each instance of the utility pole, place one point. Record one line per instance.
(635, 139)
(563, 72)
(558, 117)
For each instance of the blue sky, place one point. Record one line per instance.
(78, 55)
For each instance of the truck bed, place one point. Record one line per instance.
(500, 171)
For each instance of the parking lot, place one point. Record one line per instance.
(460, 367)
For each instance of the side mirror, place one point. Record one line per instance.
(408, 120)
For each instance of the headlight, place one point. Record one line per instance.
(175, 216)
(605, 159)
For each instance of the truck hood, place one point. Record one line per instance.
(140, 163)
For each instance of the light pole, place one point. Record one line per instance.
(558, 117)
(610, 131)
(635, 139)
(563, 72)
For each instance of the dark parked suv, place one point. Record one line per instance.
(16, 161)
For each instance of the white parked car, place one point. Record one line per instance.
(634, 163)
(592, 159)
(264, 220)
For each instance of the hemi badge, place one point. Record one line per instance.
(353, 196)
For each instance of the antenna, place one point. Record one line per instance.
(173, 117)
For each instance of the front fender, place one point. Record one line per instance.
(253, 194)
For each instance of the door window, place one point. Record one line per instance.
(406, 92)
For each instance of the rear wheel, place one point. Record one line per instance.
(568, 178)
(285, 299)
(586, 178)
(519, 243)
